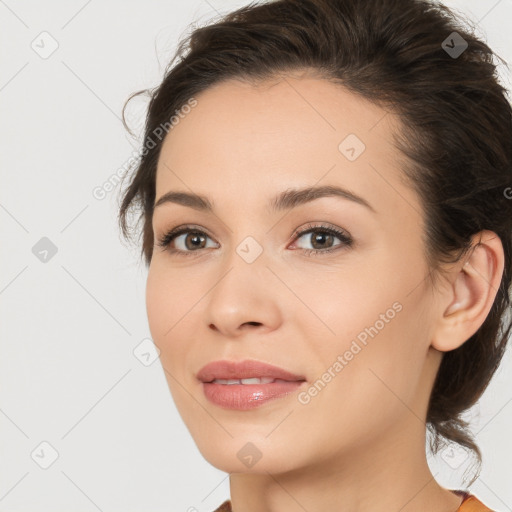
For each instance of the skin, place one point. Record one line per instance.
(359, 444)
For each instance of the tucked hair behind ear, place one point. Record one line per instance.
(455, 138)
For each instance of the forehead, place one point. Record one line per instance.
(289, 132)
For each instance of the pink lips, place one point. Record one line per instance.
(244, 370)
(246, 396)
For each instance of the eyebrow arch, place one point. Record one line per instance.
(286, 200)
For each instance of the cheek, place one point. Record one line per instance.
(365, 388)
(156, 305)
(340, 304)
(170, 295)
(166, 307)
(172, 310)
(370, 319)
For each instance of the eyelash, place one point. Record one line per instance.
(346, 240)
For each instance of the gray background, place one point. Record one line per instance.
(69, 326)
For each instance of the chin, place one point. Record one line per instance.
(248, 453)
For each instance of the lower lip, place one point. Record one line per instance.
(247, 396)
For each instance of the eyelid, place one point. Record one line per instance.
(178, 231)
(343, 235)
(319, 226)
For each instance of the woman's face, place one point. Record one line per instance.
(355, 322)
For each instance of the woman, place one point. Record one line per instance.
(325, 196)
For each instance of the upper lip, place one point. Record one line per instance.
(244, 370)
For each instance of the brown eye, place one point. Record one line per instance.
(189, 240)
(194, 240)
(322, 239)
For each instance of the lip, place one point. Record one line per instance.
(244, 370)
(246, 396)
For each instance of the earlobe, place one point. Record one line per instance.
(471, 294)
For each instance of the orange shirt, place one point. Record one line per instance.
(470, 503)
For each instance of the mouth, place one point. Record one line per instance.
(252, 380)
(244, 372)
(247, 384)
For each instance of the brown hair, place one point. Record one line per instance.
(455, 135)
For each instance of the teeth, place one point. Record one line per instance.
(253, 380)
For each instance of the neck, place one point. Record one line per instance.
(390, 474)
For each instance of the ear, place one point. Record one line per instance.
(472, 287)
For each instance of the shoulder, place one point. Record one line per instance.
(472, 504)
(224, 507)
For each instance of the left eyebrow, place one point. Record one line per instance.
(286, 200)
(294, 197)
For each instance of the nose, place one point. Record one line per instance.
(241, 302)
